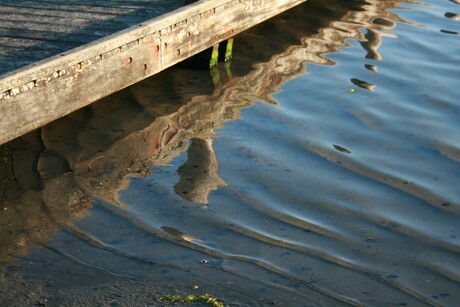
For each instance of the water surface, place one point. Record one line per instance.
(320, 168)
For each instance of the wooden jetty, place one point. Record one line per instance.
(41, 92)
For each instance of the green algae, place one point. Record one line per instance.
(188, 299)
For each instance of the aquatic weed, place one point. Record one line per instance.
(188, 299)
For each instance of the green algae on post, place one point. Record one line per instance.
(188, 299)
(229, 50)
(214, 56)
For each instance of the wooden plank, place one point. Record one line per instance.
(38, 94)
(57, 26)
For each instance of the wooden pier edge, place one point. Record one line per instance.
(47, 90)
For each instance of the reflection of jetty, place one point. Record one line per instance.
(44, 91)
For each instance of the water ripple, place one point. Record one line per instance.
(323, 174)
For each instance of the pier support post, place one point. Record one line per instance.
(229, 50)
(221, 52)
(214, 56)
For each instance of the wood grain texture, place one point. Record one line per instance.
(40, 93)
(35, 30)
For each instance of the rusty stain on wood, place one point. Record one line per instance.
(40, 93)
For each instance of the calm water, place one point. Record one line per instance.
(321, 168)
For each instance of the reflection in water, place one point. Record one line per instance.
(452, 15)
(373, 37)
(341, 149)
(363, 84)
(372, 43)
(373, 68)
(198, 176)
(179, 234)
(118, 189)
(450, 32)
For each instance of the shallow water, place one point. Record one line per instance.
(321, 169)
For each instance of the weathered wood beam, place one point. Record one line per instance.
(38, 94)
